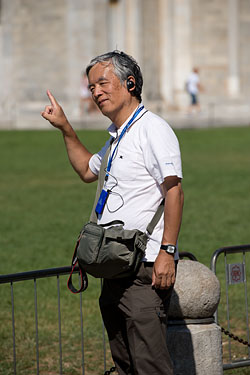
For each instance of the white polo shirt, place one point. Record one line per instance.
(148, 152)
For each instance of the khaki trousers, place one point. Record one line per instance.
(135, 316)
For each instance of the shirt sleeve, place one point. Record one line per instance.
(162, 152)
(96, 160)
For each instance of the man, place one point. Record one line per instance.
(146, 167)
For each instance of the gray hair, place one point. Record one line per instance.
(124, 66)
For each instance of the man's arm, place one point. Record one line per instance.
(78, 154)
(164, 267)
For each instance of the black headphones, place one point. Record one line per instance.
(130, 84)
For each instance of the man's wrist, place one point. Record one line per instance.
(169, 248)
(67, 129)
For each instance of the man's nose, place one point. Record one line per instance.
(97, 91)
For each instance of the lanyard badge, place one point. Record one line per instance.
(102, 201)
(105, 193)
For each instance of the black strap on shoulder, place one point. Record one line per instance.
(114, 222)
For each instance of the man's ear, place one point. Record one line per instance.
(130, 83)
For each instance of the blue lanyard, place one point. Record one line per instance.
(120, 137)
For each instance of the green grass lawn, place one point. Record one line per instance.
(44, 205)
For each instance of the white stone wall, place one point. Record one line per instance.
(46, 44)
(209, 44)
(243, 50)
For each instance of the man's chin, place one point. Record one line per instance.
(105, 111)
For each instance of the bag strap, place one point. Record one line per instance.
(93, 217)
(83, 275)
(101, 177)
(114, 222)
(151, 226)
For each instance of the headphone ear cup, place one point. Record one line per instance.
(130, 84)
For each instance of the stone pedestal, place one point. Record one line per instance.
(195, 349)
(193, 339)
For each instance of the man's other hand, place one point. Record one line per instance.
(163, 276)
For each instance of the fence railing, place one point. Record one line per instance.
(235, 274)
(41, 274)
(57, 273)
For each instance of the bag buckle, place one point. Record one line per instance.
(141, 244)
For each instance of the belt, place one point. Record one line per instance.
(148, 264)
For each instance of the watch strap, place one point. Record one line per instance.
(167, 248)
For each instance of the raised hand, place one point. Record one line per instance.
(54, 113)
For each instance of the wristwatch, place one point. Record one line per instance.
(170, 249)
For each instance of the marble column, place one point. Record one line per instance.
(233, 78)
(166, 61)
(116, 25)
(181, 49)
(133, 29)
(80, 23)
(8, 105)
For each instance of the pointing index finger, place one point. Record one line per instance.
(52, 99)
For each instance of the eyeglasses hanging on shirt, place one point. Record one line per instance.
(105, 192)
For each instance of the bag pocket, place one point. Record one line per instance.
(117, 252)
(120, 253)
(90, 241)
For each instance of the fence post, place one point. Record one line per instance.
(193, 338)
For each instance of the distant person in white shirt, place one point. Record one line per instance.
(87, 105)
(146, 168)
(193, 87)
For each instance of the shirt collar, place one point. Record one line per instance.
(112, 129)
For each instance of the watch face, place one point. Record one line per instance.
(171, 249)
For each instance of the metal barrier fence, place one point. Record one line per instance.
(34, 275)
(235, 273)
(46, 273)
